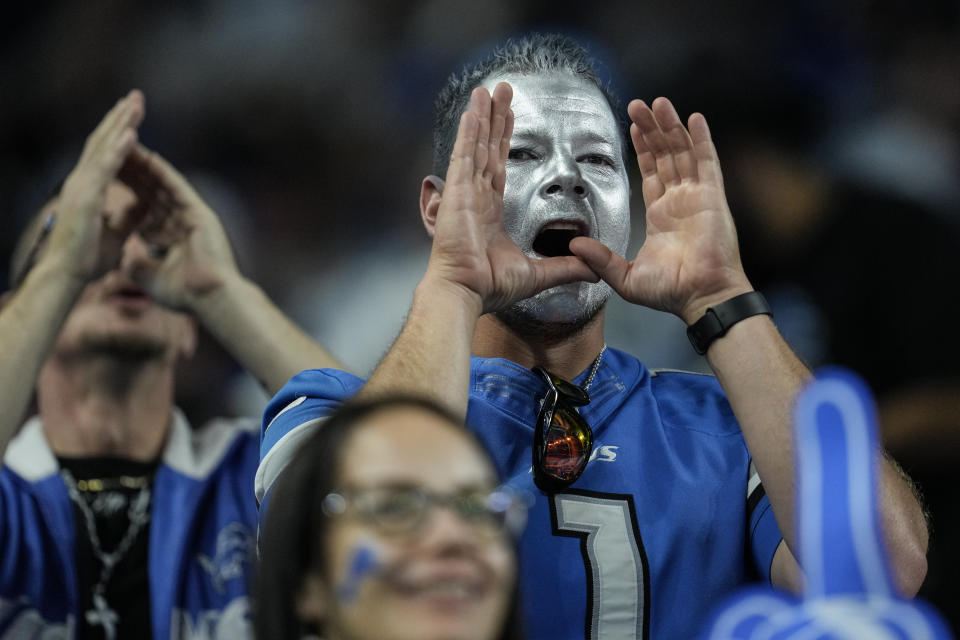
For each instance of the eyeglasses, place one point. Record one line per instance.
(404, 510)
(562, 439)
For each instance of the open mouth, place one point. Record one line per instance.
(554, 239)
(131, 293)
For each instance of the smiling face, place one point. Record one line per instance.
(446, 579)
(565, 177)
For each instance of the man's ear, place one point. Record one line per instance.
(431, 191)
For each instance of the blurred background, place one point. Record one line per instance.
(307, 125)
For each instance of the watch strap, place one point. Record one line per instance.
(716, 321)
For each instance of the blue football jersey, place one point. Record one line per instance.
(202, 536)
(667, 518)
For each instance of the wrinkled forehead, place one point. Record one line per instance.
(557, 98)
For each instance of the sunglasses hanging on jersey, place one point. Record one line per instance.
(562, 439)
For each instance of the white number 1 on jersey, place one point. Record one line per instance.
(617, 593)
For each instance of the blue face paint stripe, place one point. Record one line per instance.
(362, 565)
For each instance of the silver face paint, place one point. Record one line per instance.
(565, 170)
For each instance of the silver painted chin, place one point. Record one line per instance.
(568, 304)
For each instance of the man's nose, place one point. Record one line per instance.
(135, 254)
(564, 179)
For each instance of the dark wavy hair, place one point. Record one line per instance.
(293, 530)
(529, 55)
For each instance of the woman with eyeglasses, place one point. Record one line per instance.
(391, 525)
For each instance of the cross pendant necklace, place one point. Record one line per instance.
(102, 614)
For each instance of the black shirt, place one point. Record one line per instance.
(112, 489)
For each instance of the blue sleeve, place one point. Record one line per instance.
(310, 394)
(765, 536)
(300, 406)
(9, 535)
(37, 576)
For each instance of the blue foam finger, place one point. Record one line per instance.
(849, 589)
(839, 533)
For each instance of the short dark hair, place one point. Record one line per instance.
(532, 54)
(294, 528)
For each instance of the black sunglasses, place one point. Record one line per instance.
(562, 439)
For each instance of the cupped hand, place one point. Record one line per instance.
(690, 259)
(471, 249)
(85, 235)
(186, 254)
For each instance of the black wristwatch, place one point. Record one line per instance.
(716, 321)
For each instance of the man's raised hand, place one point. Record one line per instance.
(690, 259)
(89, 241)
(185, 253)
(470, 246)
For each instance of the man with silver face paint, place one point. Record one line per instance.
(566, 176)
(648, 502)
